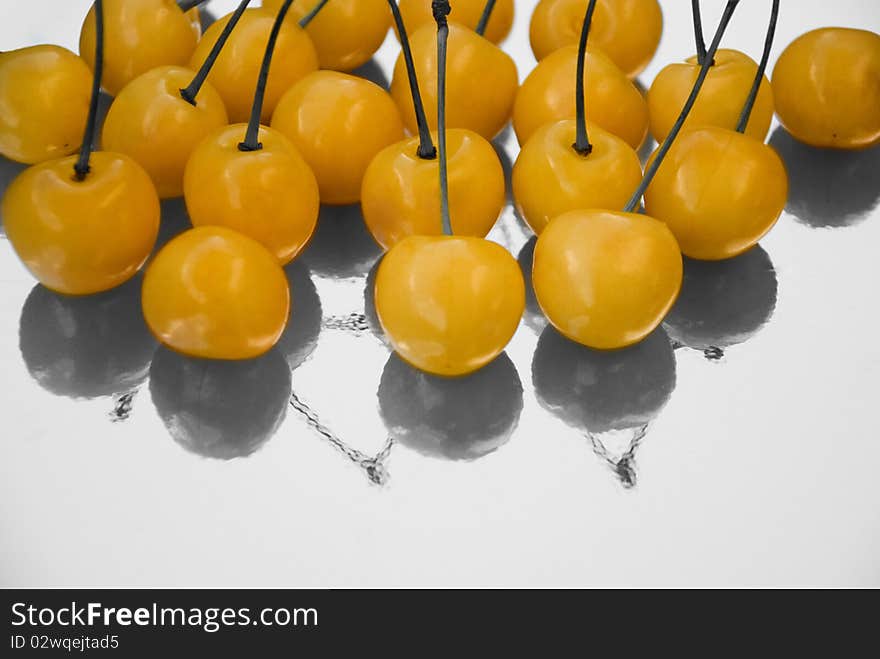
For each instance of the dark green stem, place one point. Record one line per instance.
(190, 92)
(81, 168)
(252, 137)
(582, 142)
(685, 111)
(305, 20)
(698, 32)
(762, 67)
(486, 17)
(441, 10)
(427, 150)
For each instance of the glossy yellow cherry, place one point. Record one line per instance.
(551, 178)
(215, 293)
(82, 237)
(721, 99)
(44, 102)
(400, 190)
(449, 304)
(338, 122)
(548, 96)
(482, 81)
(270, 195)
(237, 68)
(151, 122)
(718, 191)
(417, 13)
(346, 33)
(827, 87)
(628, 31)
(139, 35)
(606, 279)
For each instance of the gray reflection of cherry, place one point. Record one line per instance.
(300, 338)
(828, 188)
(723, 303)
(454, 419)
(341, 248)
(86, 347)
(534, 317)
(220, 409)
(605, 394)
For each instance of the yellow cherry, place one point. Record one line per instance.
(151, 122)
(338, 122)
(417, 13)
(270, 195)
(220, 409)
(718, 191)
(236, 70)
(627, 31)
(82, 237)
(217, 294)
(449, 304)
(346, 33)
(606, 279)
(400, 190)
(827, 87)
(548, 95)
(139, 35)
(721, 99)
(44, 102)
(482, 81)
(551, 178)
(89, 346)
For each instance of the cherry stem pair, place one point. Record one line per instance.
(762, 67)
(190, 92)
(81, 168)
(484, 19)
(636, 199)
(582, 142)
(252, 136)
(441, 11)
(427, 150)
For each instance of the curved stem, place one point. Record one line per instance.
(762, 67)
(252, 137)
(441, 10)
(186, 5)
(190, 92)
(582, 142)
(82, 168)
(427, 150)
(484, 19)
(685, 111)
(699, 39)
(305, 20)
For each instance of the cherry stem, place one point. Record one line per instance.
(698, 32)
(582, 142)
(759, 76)
(186, 5)
(685, 111)
(484, 19)
(81, 168)
(190, 92)
(305, 20)
(252, 137)
(427, 150)
(441, 10)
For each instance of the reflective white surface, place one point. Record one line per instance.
(758, 466)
